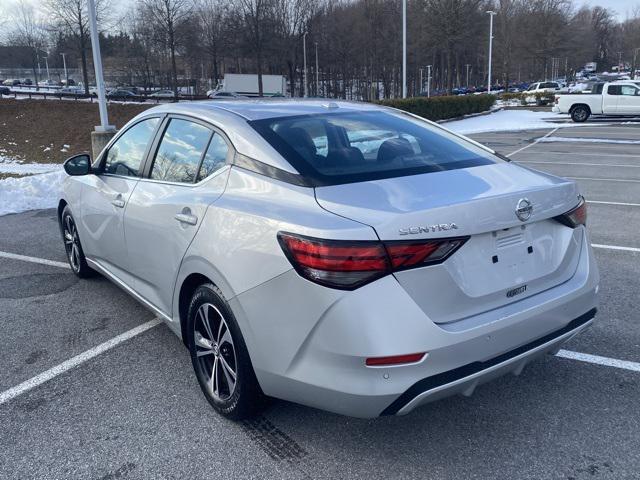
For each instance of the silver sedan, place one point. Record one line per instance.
(345, 256)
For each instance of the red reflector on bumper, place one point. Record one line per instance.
(395, 360)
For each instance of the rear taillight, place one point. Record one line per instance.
(576, 216)
(347, 265)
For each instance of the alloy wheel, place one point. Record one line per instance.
(72, 243)
(215, 351)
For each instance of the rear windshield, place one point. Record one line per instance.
(334, 148)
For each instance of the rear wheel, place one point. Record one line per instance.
(219, 356)
(580, 114)
(72, 245)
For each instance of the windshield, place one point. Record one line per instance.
(347, 147)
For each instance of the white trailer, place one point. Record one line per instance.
(247, 85)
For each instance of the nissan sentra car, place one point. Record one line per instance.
(345, 256)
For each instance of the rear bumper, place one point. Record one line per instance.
(465, 379)
(308, 344)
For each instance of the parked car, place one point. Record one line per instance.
(11, 82)
(163, 94)
(68, 82)
(541, 87)
(220, 95)
(616, 99)
(121, 94)
(4, 90)
(26, 81)
(71, 90)
(344, 256)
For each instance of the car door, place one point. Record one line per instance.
(105, 196)
(187, 173)
(629, 100)
(611, 99)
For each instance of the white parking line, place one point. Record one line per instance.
(532, 144)
(43, 261)
(604, 179)
(75, 361)
(579, 163)
(615, 247)
(598, 360)
(554, 152)
(624, 204)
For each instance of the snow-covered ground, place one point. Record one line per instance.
(508, 121)
(30, 193)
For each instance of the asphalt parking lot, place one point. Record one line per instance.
(136, 411)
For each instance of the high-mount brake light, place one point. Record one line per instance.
(347, 265)
(576, 216)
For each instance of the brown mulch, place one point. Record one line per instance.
(37, 130)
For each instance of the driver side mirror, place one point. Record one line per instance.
(78, 165)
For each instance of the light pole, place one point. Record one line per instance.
(103, 133)
(46, 62)
(304, 53)
(428, 81)
(491, 15)
(404, 48)
(421, 82)
(64, 64)
(467, 65)
(317, 73)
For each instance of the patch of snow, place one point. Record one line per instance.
(18, 168)
(64, 150)
(508, 121)
(30, 193)
(587, 140)
(46, 149)
(66, 146)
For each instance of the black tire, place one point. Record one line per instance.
(209, 349)
(580, 114)
(73, 246)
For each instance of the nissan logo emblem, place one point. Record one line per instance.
(524, 209)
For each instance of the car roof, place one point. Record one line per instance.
(259, 109)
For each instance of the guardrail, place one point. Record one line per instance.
(92, 97)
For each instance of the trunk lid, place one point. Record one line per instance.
(503, 253)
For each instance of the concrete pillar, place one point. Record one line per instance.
(99, 140)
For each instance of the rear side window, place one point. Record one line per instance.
(613, 89)
(180, 151)
(348, 147)
(125, 155)
(215, 157)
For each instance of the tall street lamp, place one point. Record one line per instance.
(304, 52)
(491, 15)
(404, 48)
(317, 74)
(103, 133)
(64, 64)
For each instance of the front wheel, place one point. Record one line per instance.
(219, 356)
(72, 245)
(580, 114)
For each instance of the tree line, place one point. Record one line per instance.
(173, 43)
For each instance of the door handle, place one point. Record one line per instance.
(118, 202)
(186, 218)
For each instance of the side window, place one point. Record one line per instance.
(180, 151)
(628, 90)
(215, 157)
(126, 154)
(613, 89)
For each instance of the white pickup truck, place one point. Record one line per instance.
(620, 98)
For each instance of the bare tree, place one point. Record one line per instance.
(255, 15)
(72, 17)
(169, 16)
(28, 32)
